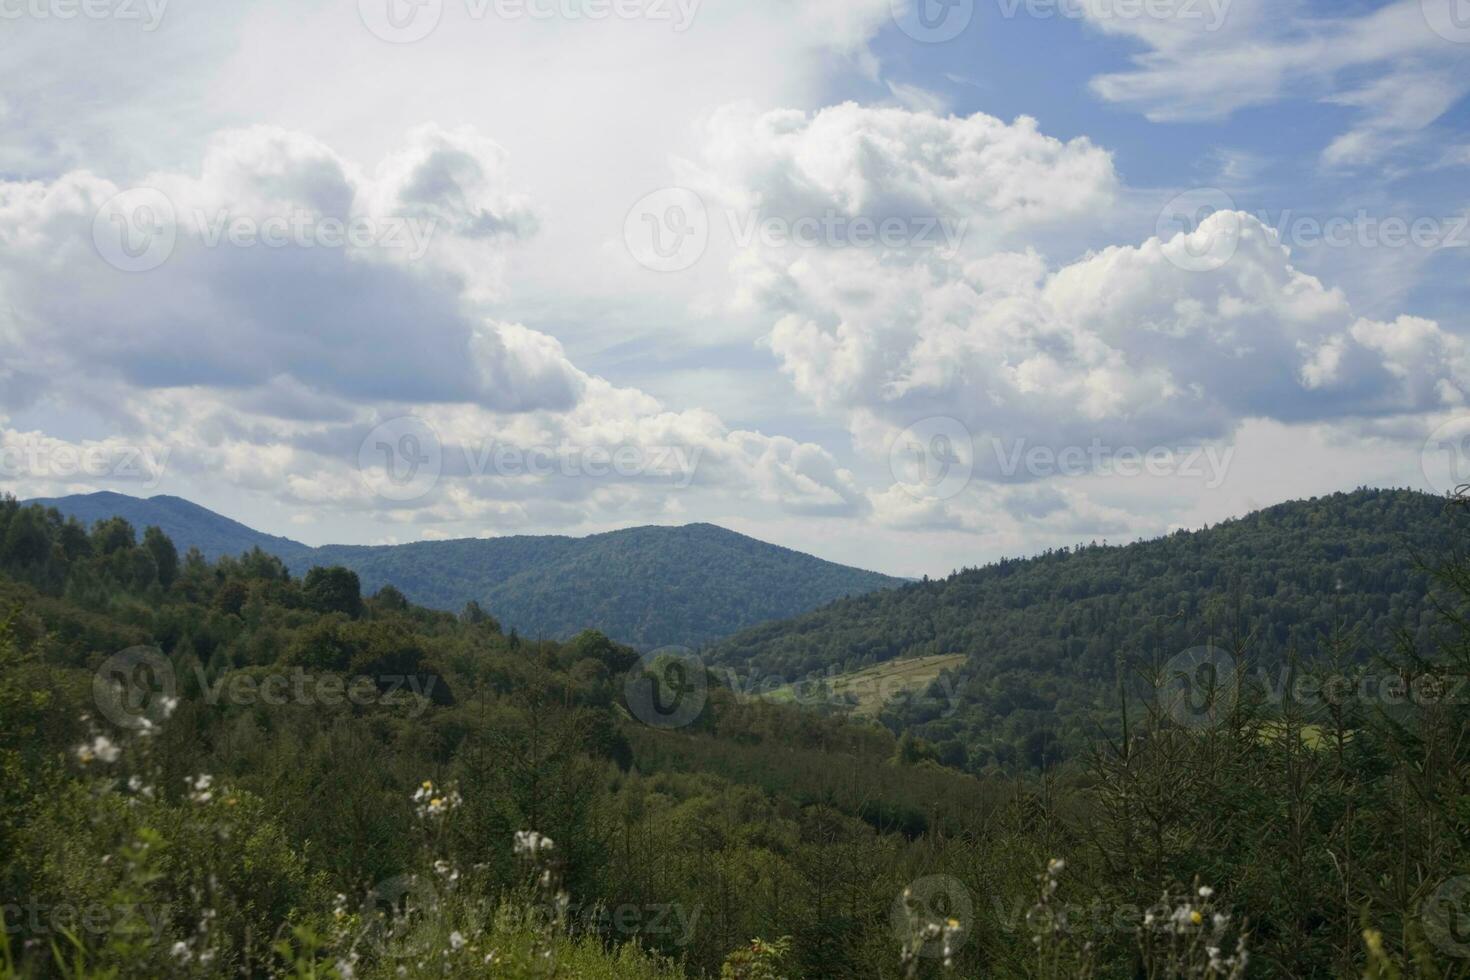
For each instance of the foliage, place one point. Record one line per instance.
(289, 794)
(1047, 639)
(647, 586)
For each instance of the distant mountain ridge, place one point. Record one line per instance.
(646, 586)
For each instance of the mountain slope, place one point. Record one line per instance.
(1044, 637)
(646, 586)
(186, 523)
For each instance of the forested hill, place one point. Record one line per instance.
(645, 586)
(1045, 636)
(186, 523)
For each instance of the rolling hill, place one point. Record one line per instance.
(1044, 640)
(645, 586)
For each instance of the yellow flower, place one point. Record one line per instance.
(1196, 918)
(428, 784)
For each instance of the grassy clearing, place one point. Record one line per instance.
(873, 686)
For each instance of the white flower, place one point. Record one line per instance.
(1205, 891)
(101, 749)
(199, 787)
(530, 844)
(456, 940)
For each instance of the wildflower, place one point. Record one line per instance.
(1205, 891)
(102, 749)
(530, 844)
(199, 788)
(431, 803)
(456, 940)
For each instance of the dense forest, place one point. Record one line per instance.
(213, 769)
(1049, 640)
(646, 586)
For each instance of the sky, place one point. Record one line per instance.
(907, 284)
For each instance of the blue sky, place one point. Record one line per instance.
(467, 271)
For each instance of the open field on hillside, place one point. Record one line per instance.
(872, 686)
